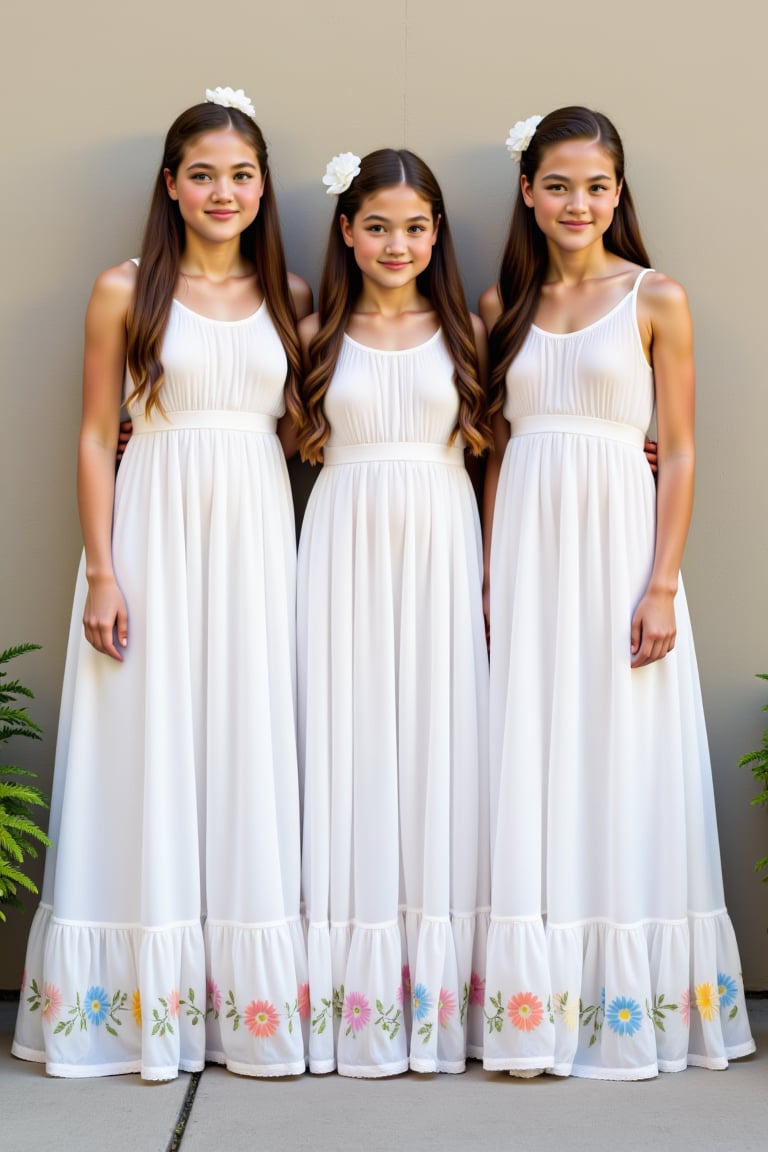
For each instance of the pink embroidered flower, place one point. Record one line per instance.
(173, 1003)
(302, 995)
(23, 981)
(476, 989)
(446, 1006)
(405, 976)
(51, 1002)
(356, 1011)
(684, 1006)
(525, 1011)
(213, 996)
(261, 1018)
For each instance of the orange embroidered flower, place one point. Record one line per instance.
(302, 995)
(261, 1018)
(136, 1007)
(525, 1011)
(707, 1001)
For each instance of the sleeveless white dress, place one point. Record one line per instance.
(610, 953)
(393, 724)
(169, 930)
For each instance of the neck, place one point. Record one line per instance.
(215, 262)
(391, 302)
(575, 267)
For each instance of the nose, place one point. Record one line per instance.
(222, 190)
(396, 242)
(577, 201)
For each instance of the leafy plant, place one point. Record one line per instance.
(20, 835)
(758, 760)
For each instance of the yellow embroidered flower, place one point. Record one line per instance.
(136, 1007)
(707, 1001)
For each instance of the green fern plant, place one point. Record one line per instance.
(758, 761)
(20, 835)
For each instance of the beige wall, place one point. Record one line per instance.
(89, 89)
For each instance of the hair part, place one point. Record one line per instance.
(525, 260)
(341, 284)
(163, 245)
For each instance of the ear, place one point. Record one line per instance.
(526, 189)
(434, 234)
(346, 230)
(618, 194)
(170, 184)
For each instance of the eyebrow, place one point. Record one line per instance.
(590, 179)
(211, 167)
(385, 219)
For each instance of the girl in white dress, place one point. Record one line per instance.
(169, 930)
(391, 647)
(610, 952)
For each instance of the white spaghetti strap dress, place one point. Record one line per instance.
(169, 930)
(393, 724)
(610, 952)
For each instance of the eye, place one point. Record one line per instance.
(598, 188)
(199, 177)
(555, 187)
(376, 229)
(417, 229)
(242, 177)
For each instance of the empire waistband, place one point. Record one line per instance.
(579, 426)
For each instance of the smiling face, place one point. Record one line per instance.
(573, 194)
(218, 185)
(392, 234)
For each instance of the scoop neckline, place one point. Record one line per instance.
(619, 303)
(213, 319)
(393, 351)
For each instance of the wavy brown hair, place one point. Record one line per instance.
(524, 263)
(342, 283)
(163, 245)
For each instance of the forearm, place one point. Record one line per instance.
(95, 495)
(674, 504)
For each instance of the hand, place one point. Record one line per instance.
(105, 618)
(651, 449)
(653, 628)
(126, 430)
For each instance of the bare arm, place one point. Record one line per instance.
(104, 366)
(668, 333)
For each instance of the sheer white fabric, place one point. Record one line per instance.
(393, 724)
(169, 930)
(610, 952)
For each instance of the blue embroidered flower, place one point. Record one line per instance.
(728, 989)
(422, 1002)
(624, 1016)
(96, 1004)
(602, 997)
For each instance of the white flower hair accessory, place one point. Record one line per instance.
(231, 98)
(521, 135)
(340, 173)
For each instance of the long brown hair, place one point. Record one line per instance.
(524, 263)
(163, 244)
(342, 283)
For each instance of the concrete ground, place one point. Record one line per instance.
(479, 1112)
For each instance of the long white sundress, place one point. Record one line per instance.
(392, 724)
(610, 953)
(169, 930)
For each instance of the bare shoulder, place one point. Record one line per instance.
(478, 327)
(301, 293)
(309, 327)
(661, 298)
(490, 306)
(113, 292)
